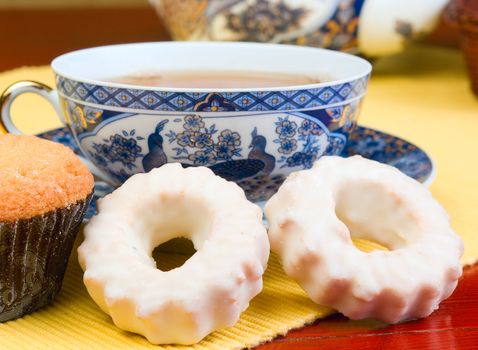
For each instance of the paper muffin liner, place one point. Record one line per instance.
(34, 254)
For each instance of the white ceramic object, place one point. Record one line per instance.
(387, 26)
(318, 13)
(371, 27)
(253, 136)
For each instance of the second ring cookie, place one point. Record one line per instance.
(316, 212)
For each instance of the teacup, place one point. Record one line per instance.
(253, 136)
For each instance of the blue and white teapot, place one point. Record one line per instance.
(370, 27)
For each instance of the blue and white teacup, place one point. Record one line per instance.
(252, 136)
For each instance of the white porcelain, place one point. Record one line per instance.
(253, 136)
(370, 27)
(387, 26)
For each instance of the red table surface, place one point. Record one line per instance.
(453, 326)
(34, 37)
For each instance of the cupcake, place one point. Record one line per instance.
(44, 192)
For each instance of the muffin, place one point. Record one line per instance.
(44, 192)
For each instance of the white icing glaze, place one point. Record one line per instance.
(210, 290)
(314, 214)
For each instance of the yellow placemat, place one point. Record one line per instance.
(421, 95)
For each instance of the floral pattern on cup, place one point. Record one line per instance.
(363, 141)
(277, 143)
(301, 145)
(121, 148)
(204, 145)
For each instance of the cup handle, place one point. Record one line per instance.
(21, 87)
(15, 90)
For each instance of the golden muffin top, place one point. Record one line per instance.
(38, 176)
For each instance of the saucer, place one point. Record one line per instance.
(367, 142)
(392, 150)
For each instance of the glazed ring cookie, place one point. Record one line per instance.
(210, 290)
(315, 213)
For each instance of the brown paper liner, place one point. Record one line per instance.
(33, 257)
(464, 14)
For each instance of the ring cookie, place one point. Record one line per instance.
(315, 213)
(210, 290)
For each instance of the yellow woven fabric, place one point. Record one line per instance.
(421, 95)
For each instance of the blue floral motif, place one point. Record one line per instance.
(303, 159)
(202, 158)
(203, 139)
(193, 122)
(230, 137)
(119, 148)
(307, 156)
(298, 150)
(308, 127)
(287, 146)
(197, 142)
(185, 139)
(224, 150)
(286, 128)
(260, 21)
(338, 32)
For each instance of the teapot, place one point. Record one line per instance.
(370, 27)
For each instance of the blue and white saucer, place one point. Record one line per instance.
(369, 143)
